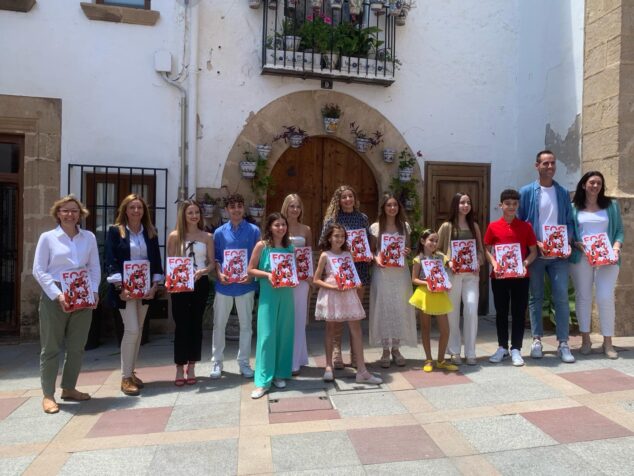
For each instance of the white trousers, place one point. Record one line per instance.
(133, 317)
(300, 349)
(604, 280)
(465, 287)
(222, 308)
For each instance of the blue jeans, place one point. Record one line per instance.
(557, 270)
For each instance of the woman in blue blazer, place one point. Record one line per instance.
(132, 237)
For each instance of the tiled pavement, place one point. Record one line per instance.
(544, 418)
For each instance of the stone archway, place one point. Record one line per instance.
(303, 109)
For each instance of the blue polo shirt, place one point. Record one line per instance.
(226, 237)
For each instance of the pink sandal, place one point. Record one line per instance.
(191, 376)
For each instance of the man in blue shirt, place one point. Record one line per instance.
(545, 202)
(236, 234)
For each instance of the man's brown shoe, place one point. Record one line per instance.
(137, 381)
(129, 387)
(74, 395)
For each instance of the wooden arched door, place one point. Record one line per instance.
(314, 171)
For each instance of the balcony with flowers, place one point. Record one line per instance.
(341, 40)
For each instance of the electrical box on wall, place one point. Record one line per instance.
(163, 61)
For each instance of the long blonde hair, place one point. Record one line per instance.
(181, 223)
(334, 207)
(287, 201)
(122, 218)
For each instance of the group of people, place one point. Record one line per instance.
(281, 348)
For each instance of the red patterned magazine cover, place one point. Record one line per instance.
(393, 250)
(509, 258)
(555, 241)
(435, 275)
(599, 249)
(464, 256)
(234, 265)
(77, 289)
(136, 277)
(359, 245)
(304, 262)
(283, 270)
(345, 272)
(179, 277)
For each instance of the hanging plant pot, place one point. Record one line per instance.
(331, 124)
(292, 4)
(388, 155)
(336, 4)
(292, 42)
(377, 7)
(355, 6)
(255, 3)
(247, 168)
(296, 140)
(208, 209)
(409, 204)
(401, 18)
(256, 211)
(405, 175)
(264, 150)
(316, 3)
(362, 144)
(273, 4)
(394, 8)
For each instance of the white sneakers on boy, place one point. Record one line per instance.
(499, 355)
(216, 370)
(245, 369)
(564, 353)
(516, 357)
(537, 351)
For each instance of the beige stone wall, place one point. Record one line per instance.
(39, 120)
(608, 125)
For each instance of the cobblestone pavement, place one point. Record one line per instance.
(544, 418)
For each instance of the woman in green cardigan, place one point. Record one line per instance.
(594, 213)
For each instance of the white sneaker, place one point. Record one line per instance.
(367, 377)
(279, 383)
(564, 353)
(537, 351)
(259, 392)
(499, 355)
(216, 370)
(245, 369)
(516, 357)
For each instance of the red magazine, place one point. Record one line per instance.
(234, 265)
(344, 271)
(77, 289)
(304, 262)
(179, 276)
(435, 275)
(509, 258)
(359, 245)
(283, 270)
(555, 241)
(599, 249)
(136, 277)
(464, 256)
(393, 250)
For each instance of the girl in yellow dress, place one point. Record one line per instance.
(431, 303)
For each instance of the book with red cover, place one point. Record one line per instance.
(283, 270)
(345, 273)
(464, 256)
(179, 277)
(304, 262)
(136, 277)
(393, 250)
(598, 249)
(555, 241)
(77, 289)
(509, 258)
(435, 275)
(234, 264)
(359, 245)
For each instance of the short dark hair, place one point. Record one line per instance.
(509, 194)
(234, 198)
(543, 152)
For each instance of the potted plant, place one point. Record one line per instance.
(363, 140)
(255, 3)
(394, 7)
(208, 204)
(406, 163)
(260, 184)
(248, 164)
(331, 114)
(290, 33)
(293, 136)
(273, 4)
(336, 4)
(356, 46)
(264, 150)
(355, 6)
(377, 6)
(406, 6)
(317, 38)
(388, 155)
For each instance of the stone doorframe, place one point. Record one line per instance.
(303, 109)
(39, 121)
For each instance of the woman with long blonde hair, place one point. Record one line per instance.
(299, 235)
(132, 237)
(190, 240)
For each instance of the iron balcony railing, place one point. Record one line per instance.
(346, 40)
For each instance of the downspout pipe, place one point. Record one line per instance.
(182, 184)
(192, 106)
